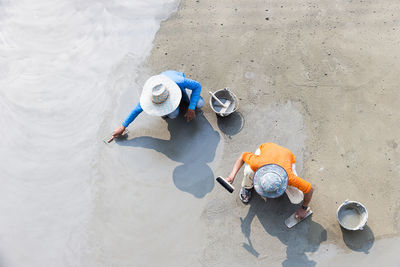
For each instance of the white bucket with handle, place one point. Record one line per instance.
(352, 215)
(223, 102)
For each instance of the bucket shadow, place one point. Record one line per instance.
(361, 240)
(193, 144)
(303, 238)
(232, 124)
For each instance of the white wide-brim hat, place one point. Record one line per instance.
(170, 104)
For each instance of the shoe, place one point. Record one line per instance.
(245, 195)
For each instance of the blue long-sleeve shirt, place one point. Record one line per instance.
(183, 83)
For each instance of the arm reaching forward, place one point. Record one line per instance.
(238, 164)
(194, 98)
(131, 117)
(301, 212)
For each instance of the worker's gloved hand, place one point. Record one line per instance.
(300, 214)
(118, 131)
(190, 115)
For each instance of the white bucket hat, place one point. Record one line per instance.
(270, 181)
(160, 96)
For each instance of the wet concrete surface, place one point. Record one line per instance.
(318, 77)
(193, 145)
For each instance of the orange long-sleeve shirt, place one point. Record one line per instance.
(273, 154)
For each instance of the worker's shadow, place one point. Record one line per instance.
(302, 238)
(194, 145)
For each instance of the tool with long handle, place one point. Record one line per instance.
(225, 105)
(219, 101)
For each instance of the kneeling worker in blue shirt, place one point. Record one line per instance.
(162, 95)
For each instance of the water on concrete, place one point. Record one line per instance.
(350, 218)
(61, 72)
(318, 77)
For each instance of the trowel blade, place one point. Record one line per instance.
(292, 221)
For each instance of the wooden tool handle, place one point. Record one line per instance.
(216, 98)
(112, 137)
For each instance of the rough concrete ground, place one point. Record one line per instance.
(318, 77)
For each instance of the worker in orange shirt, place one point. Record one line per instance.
(271, 170)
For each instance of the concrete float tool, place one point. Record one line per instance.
(225, 184)
(292, 220)
(109, 140)
(225, 105)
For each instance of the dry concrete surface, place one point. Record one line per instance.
(318, 77)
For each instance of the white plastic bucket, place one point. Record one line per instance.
(352, 215)
(224, 94)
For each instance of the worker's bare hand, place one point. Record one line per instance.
(190, 115)
(118, 131)
(230, 179)
(300, 214)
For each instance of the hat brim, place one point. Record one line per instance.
(172, 102)
(275, 169)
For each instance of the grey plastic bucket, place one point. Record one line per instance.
(224, 94)
(352, 215)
